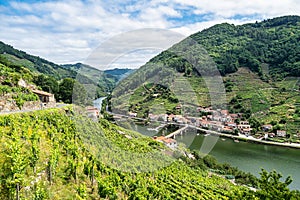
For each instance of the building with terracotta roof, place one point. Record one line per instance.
(169, 142)
(45, 97)
(92, 112)
(224, 112)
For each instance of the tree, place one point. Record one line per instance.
(47, 83)
(66, 90)
(210, 161)
(79, 94)
(254, 123)
(71, 91)
(272, 188)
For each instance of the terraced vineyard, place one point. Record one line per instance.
(57, 154)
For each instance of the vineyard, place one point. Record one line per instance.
(60, 154)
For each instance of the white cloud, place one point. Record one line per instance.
(67, 31)
(129, 45)
(21, 6)
(193, 28)
(230, 8)
(133, 59)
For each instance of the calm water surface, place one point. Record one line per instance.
(251, 157)
(248, 157)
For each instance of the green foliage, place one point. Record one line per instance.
(274, 41)
(14, 165)
(36, 63)
(68, 167)
(82, 191)
(271, 186)
(146, 98)
(71, 91)
(22, 97)
(47, 83)
(40, 192)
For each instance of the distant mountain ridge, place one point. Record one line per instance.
(119, 73)
(48, 76)
(35, 63)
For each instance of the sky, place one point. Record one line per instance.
(68, 31)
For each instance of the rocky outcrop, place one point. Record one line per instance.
(24, 84)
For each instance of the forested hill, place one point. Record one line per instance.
(35, 63)
(273, 43)
(48, 76)
(259, 63)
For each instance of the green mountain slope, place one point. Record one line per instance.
(58, 154)
(258, 64)
(50, 77)
(10, 75)
(274, 42)
(35, 63)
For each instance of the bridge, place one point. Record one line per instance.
(185, 126)
(179, 131)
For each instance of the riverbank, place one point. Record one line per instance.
(248, 156)
(249, 138)
(235, 137)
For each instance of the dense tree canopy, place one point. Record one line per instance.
(274, 42)
(47, 83)
(71, 91)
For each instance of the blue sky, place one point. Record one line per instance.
(67, 31)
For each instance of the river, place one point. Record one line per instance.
(251, 157)
(248, 157)
(98, 102)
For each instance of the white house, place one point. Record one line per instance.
(281, 133)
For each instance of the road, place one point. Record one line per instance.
(238, 137)
(249, 138)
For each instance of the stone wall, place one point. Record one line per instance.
(10, 105)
